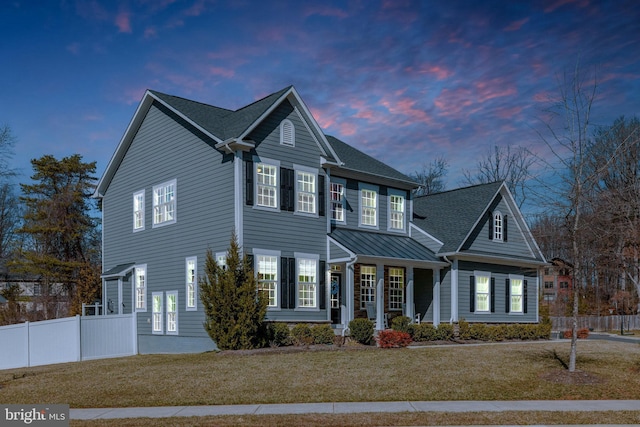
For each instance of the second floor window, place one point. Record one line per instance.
(138, 211)
(337, 208)
(368, 208)
(266, 177)
(306, 192)
(164, 203)
(396, 217)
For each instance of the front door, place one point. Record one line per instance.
(336, 298)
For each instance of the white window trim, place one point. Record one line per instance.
(311, 171)
(376, 190)
(221, 259)
(167, 312)
(343, 183)
(173, 182)
(488, 276)
(141, 210)
(265, 252)
(363, 304)
(392, 192)
(402, 289)
(513, 277)
(293, 133)
(498, 236)
(275, 163)
(187, 277)
(154, 313)
(315, 257)
(143, 308)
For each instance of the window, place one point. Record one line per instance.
(172, 312)
(396, 288)
(306, 188)
(221, 260)
(191, 283)
(337, 205)
(268, 278)
(482, 292)
(287, 133)
(367, 285)
(307, 283)
(140, 278)
(368, 207)
(156, 321)
(497, 226)
(138, 211)
(548, 285)
(164, 203)
(396, 212)
(267, 181)
(564, 285)
(516, 284)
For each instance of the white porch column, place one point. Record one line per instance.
(410, 297)
(436, 296)
(454, 291)
(350, 295)
(380, 297)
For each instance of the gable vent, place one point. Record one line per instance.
(287, 133)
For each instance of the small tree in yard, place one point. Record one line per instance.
(234, 307)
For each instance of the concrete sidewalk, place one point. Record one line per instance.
(357, 407)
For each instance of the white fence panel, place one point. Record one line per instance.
(107, 336)
(14, 346)
(54, 341)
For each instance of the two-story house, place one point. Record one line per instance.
(333, 234)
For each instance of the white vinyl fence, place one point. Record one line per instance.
(67, 340)
(598, 323)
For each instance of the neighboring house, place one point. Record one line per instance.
(556, 286)
(330, 231)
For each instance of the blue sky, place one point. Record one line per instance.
(404, 81)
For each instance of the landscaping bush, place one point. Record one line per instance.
(400, 323)
(322, 334)
(543, 330)
(464, 330)
(422, 332)
(393, 339)
(444, 332)
(279, 334)
(480, 331)
(301, 334)
(361, 330)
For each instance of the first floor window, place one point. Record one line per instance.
(268, 277)
(482, 292)
(396, 288)
(172, 312)
(307, 283)
(157, 312)
(367, 285)
(191, 282)
(516, 294)
(140, 278)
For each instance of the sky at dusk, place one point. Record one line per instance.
(404, 81)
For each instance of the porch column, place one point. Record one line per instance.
(380, 297)
(436, 296)
(454, 291)
(410, 298)
(349, 296)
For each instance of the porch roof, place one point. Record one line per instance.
(379, 245)
(119, 270)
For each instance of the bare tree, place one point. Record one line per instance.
(504, 163)
(7, 140)
(431, 177)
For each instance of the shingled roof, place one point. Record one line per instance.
(449, 216)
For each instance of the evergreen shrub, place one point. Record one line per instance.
(323, 334)
(361, 330)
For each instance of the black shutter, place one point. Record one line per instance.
(284, 282)
(472, 293)
(251, 261)
(490, 226)
(284, 189)
(507, 295)
(292, 283)
(383, 190)
(291, 185)
(525, 297)
(249, 182)
(323, 286)
(493, 294)
(504, 229)
(321, 195)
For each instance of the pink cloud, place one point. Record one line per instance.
(150, 33)
(347, 129)
(219, 71)
(406, 107)
(196, 9)
(559, 3)
(508, 112)
(123, 22)
(324, 10)
(494, 88)
(440, 72)
(516, 25)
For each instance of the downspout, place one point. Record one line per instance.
(350, 293)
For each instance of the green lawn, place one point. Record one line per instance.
(465, 372)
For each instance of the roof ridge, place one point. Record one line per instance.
(189, 100)
(468, 187)
(281, 91)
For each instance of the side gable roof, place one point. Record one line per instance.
(355, 161)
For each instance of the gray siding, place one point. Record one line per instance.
(445, 295)
(515, 245)
(500, 273)
(155, 344)
(167, 148)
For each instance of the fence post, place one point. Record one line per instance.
(26, 329)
